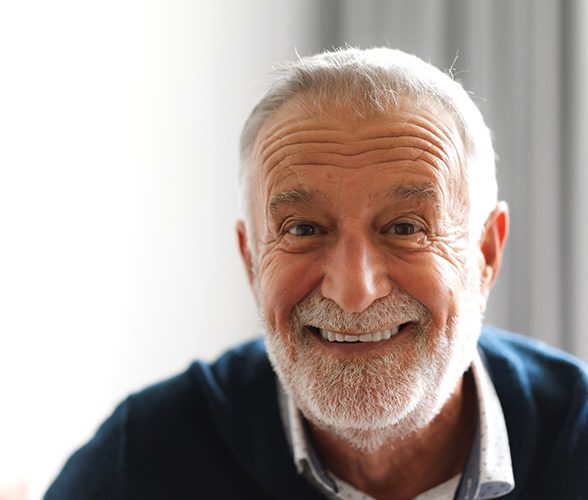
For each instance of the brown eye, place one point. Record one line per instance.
(303, 230)
(404, 228)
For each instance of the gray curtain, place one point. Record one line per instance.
(523, 60)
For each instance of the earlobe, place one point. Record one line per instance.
(244, 250)
(492, 245)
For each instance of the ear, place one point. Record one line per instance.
(244, 250)
(492, 245)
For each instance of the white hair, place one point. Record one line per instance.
(369, 82)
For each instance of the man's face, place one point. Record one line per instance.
(361, 231)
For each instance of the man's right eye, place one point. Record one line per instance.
(303, 230)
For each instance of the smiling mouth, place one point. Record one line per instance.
(379, 336)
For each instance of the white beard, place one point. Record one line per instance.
(373, 399)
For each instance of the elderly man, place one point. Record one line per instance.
(372, 238)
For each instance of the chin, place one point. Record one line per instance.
(369, 401)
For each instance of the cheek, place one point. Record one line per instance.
(285, 279)
(435, 283)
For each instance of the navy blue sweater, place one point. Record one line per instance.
(215, 431)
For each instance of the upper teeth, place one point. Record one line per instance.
(364, 337)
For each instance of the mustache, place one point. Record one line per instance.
(387, 312)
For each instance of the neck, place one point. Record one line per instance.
(408, 466)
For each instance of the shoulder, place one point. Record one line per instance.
(241, 366)
(543, 392)
(92, 472)
(528, 371)
(530, 361)
(158, 442)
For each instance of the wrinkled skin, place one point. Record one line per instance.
(357, 208)
(361, 210)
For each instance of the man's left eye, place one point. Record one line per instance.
(303, 230)
(403, 228)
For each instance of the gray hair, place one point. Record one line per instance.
(369, 82)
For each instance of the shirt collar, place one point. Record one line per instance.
(488, 471)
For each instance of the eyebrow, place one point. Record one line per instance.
(419, 192)
(290, 197)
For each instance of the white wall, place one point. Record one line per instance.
(119, 123)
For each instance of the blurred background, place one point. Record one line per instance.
(119, 123)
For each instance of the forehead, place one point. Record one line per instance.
(418, 141)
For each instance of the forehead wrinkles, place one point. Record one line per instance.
(306, 142)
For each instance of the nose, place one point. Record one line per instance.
(355, 273)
